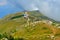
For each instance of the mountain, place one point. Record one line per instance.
(20, 27)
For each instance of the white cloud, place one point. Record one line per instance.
(33, 6)
(49, 8)
(28, 5)
(3, 2)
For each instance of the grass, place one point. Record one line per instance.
(20, 30)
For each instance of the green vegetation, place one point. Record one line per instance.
(15, 27)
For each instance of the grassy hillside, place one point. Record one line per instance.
(16, 26)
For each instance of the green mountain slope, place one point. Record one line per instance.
(17, 26)
(13, 20)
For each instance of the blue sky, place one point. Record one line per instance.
(7, 8)
(50, 8)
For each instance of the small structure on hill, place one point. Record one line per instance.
(26, 16)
